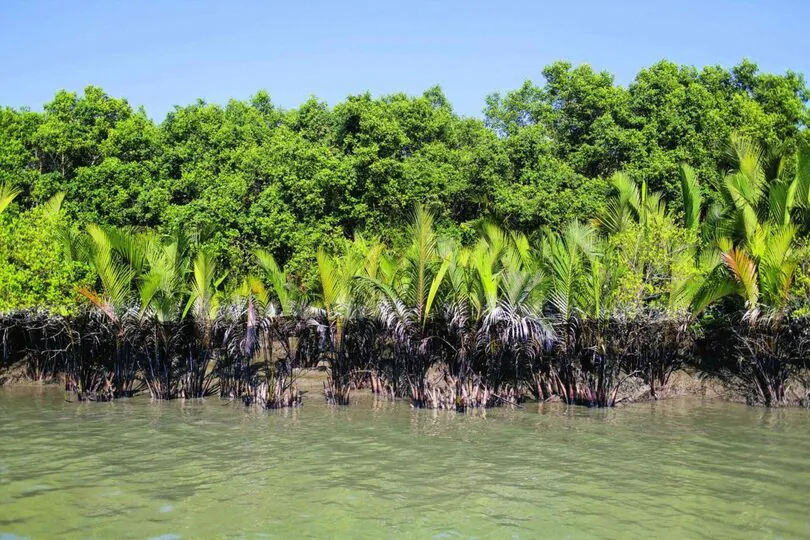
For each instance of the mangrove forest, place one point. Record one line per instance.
(582, 242)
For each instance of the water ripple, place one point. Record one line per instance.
(211, 468)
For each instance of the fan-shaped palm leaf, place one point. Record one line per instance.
(7, 195)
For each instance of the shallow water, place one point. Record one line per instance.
(211, 469)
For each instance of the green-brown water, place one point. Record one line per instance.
(212, 469)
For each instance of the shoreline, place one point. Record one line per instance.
(683, 384)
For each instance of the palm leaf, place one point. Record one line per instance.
(7, 195)
(706, 291)
(692, 198)
(781, 198)
(744, 270)
(803, 175)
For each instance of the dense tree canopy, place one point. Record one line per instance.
(249, 175)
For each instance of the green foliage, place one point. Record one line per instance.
(33, 272)
(667, 116)
(250, 176)
(756, 231)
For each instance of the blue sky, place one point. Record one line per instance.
(162, 53)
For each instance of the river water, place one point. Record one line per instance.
(213, 469)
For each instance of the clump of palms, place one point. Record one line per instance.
(405, 302)
(755, 233)
(342, 316)
(159, 304)
(512, 333)
(574, 314)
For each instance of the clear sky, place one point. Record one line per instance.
(162, 53)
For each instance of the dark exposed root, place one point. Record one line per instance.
(449, 363)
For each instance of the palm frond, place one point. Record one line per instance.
(691, 195)
(706, 291)
(803, 175)
(7, 195)
(744, 271)
(781, 199)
